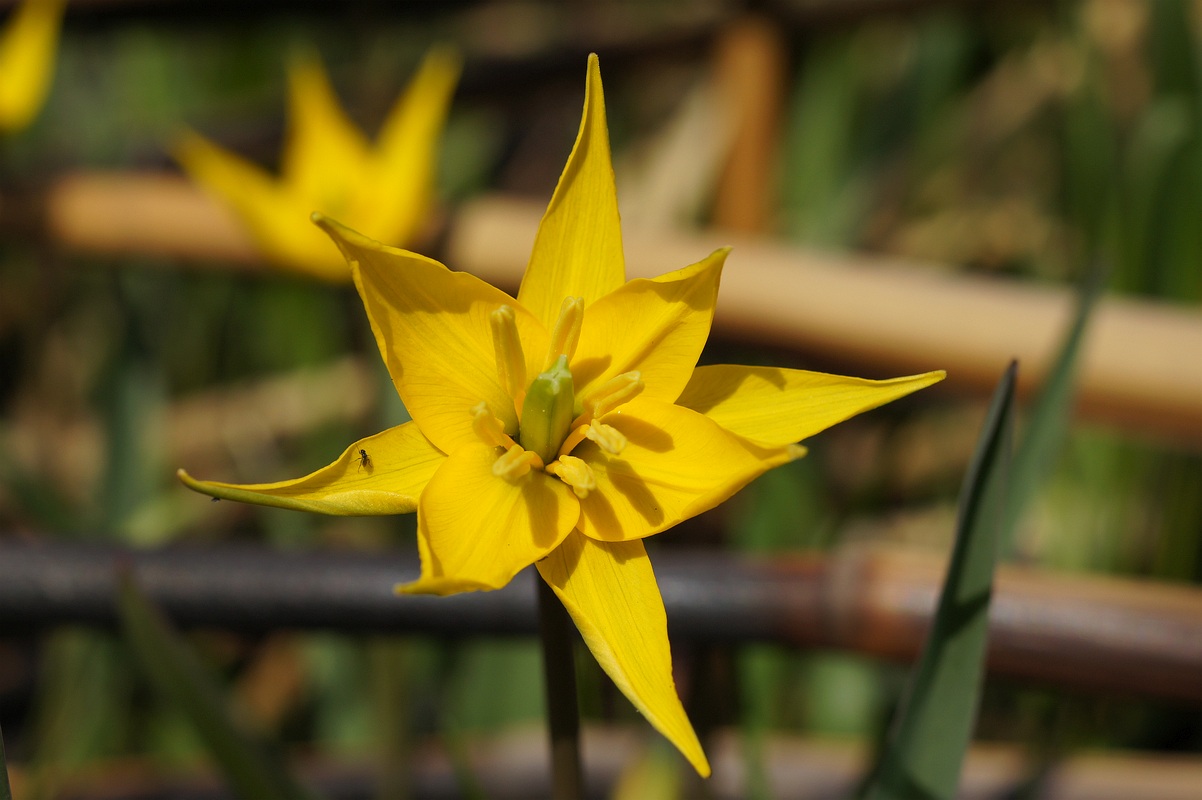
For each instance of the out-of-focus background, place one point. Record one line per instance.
(994, 156)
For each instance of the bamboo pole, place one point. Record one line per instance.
(1141, 365)
(1091, 634)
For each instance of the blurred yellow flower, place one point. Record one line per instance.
(328, 166)
(618, 437)
(27, 48)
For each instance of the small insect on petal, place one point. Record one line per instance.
(364, 461)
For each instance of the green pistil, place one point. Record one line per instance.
(548, 411)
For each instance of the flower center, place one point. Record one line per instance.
(547, 411)
(551, 424)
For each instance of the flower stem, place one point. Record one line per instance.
(563, 716)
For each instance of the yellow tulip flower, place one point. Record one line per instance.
(328, 166)
(563, 427)
(27, 48)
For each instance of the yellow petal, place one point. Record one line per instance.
(774, 406)
(325, 154)
(611, 593)
(656, 326)
(399, 464)
(476, 530)
(433, 328)
(578, 248)
(27, 49)
(676, 464)
(276, 218)
(399, 192)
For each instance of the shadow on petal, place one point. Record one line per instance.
(642, 433)
(542, 505)
(635, 490)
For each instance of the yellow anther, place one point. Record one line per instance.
(796, 451)
(607, 437)
(611, 394)
(516, 463)
(574, 473)
(488, 428)
(566, 334)
(507, 345)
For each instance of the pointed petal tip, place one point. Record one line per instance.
(343, 233)
(192, 483)
(342, 236)
(924, 379)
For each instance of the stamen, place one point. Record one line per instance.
(507, 345)
(607, 437)
(611, 394)
(566, 334)
(574, 473)
(516, 463)
(578, 435)
(488, 428)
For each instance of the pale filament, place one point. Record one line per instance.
(578, 435)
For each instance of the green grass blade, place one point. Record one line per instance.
(925, 749)
(6, 792)
(1047, 425)
(248, 764)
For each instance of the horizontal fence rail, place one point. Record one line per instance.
(1141, 362)
(1099, 634)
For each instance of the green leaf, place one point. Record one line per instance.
(250, 766)
(1047, 425)
(6, 792)
(925, 748)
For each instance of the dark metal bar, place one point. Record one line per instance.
(1101, 634)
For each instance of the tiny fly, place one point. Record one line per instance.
(364, 460)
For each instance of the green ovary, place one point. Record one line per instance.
(548, 411)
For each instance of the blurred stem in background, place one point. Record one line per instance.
(556, 634)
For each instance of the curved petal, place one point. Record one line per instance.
(676, 464)
(27, 50)
(656, 326)
(774, 406)
(432, 327)
(325, 154)
(578, 248)
(399, 464)
(399, 192)
(611, 593)
(476, 531)
(276, 218)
